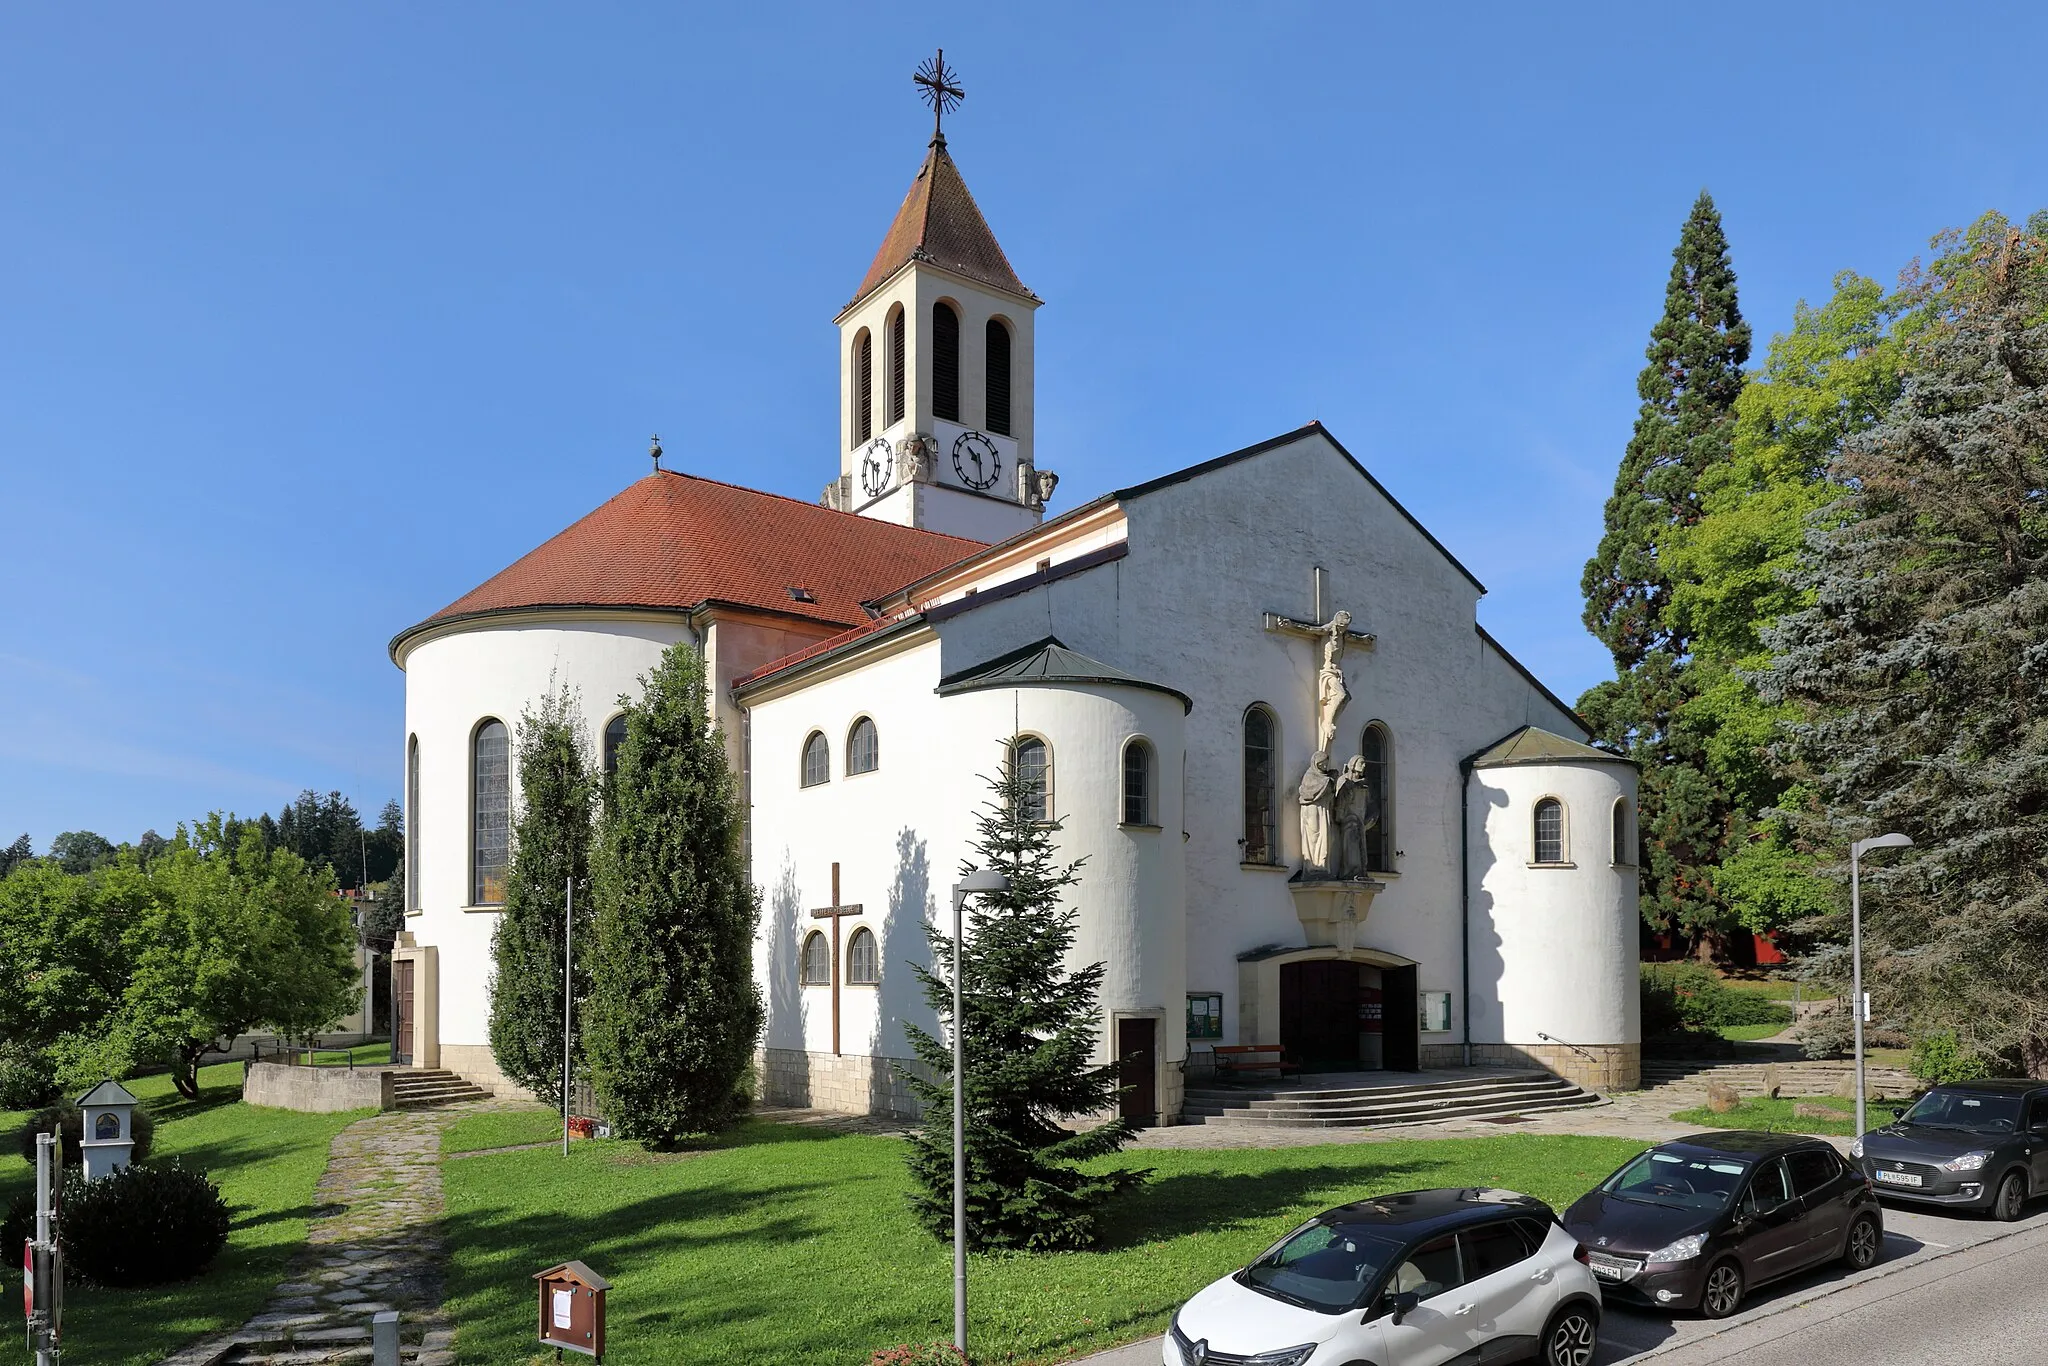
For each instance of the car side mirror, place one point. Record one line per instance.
(1404, 1303)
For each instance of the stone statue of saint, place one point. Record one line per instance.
(914, 456)
(1356, 810)
(1331, 694)
(1318, 789)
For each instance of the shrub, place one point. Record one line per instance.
(20, 1224)
(1680, 998)
(27, 1079)
(144, 1225)
(1940, 1058)
(1830, 1034)
(142, 1129)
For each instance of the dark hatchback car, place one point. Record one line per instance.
(1976, 1145)
(1698, 1222)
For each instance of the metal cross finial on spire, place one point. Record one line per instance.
(941, 90)
(654, 450)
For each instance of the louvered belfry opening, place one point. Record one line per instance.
(945, 362)
(998, 377)
(895, 367)
(863, 388)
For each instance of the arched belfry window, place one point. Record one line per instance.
(412, 823)
(491, 801)
(863, 388)
(1261, 773)
(817, 760)
(1138, 783)
(863, 747)
(1624, 846)
(1550, 844)
(1377, 749)
(863, 959)
(895, 366)
(945, 362)
(614, 741)
(816, 967)
(1031, 760)
(998, 375)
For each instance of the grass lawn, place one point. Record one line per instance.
(1775, 1116)
(266, 1162)
(1751, 1033)
(502, 1129)
(787, 1244)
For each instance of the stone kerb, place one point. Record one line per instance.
(319, 1090)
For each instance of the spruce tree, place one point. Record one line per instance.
(1920, 666)
(1030, 1027)
(673, 1011)
(551, 838)
(1684, 428)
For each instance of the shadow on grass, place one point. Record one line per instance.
(164, 1109)
(1205, 1202)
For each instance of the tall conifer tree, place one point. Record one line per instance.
(673, 1011)
(1030, 1030)
(1684, 428)
(1920, 666)
(550, 849)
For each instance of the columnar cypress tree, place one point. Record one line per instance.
(1030, 1031)
(1688, 389)
(673, 1012)
(1920, 664)
(550, 847)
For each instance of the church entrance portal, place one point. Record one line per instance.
(1137, 1048)
(1337, 1015)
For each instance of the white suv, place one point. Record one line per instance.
(1403, 1280)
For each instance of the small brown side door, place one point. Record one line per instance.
(402, 1016)
(1138, 1054)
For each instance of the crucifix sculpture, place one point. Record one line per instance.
(1320, 786)
(834, 913)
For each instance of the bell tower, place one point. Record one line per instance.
(935, 364)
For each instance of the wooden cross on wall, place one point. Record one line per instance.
(833, 913)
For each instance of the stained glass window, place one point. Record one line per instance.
(491, 799)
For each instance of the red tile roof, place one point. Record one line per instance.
(940, 222)
(676, 540)
(825, 646)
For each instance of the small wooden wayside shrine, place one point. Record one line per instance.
(572, 1309)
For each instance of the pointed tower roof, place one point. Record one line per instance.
(939, 222)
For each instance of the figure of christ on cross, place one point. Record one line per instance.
(834, 913)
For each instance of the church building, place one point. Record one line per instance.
(1320, 808)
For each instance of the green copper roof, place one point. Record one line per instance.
(1048, 663)
(1532, 746)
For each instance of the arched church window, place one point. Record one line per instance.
(895, 365)
(945, 362)
(1550, 831)
(614, 741)
(863, 747)
(1261, 770)
(491, 801)
(1138, 784)
(1031, 759)
(863, 388)
(863, 959)
(817, 760)
(1377, 749)
(816, 967)
(412, 823)
(1624, 847)
(997, 334)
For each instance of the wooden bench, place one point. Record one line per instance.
(1251, 1057)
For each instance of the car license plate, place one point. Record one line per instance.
(1607, 1268)
(1899, 1178)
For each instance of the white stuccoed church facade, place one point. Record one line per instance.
(1321, 808)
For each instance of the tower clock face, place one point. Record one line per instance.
(877, 461)
(977, 461)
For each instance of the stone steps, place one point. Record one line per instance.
(1370, 1107)
(419, 1089)
(1685, 1081)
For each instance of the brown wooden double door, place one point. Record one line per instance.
(1137, 1051)
(402, 1024)
(1321, 1015)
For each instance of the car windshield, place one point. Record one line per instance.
(1679, 1180)
(1977, 1114)
(1326, 1267)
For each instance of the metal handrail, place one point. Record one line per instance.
(1572, 1046)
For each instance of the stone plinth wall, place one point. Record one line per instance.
(477, 1065)
(853, 1083)
(317, 1090)
(1595, 1066)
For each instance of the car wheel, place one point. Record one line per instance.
(1722, 1294)
(1865, 1239)
(1571, 1337)
(2011, 1198)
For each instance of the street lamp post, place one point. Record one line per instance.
(1856, 852)
(978, 881)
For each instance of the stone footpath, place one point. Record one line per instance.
(375, 1245)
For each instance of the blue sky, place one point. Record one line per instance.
(312, 319)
